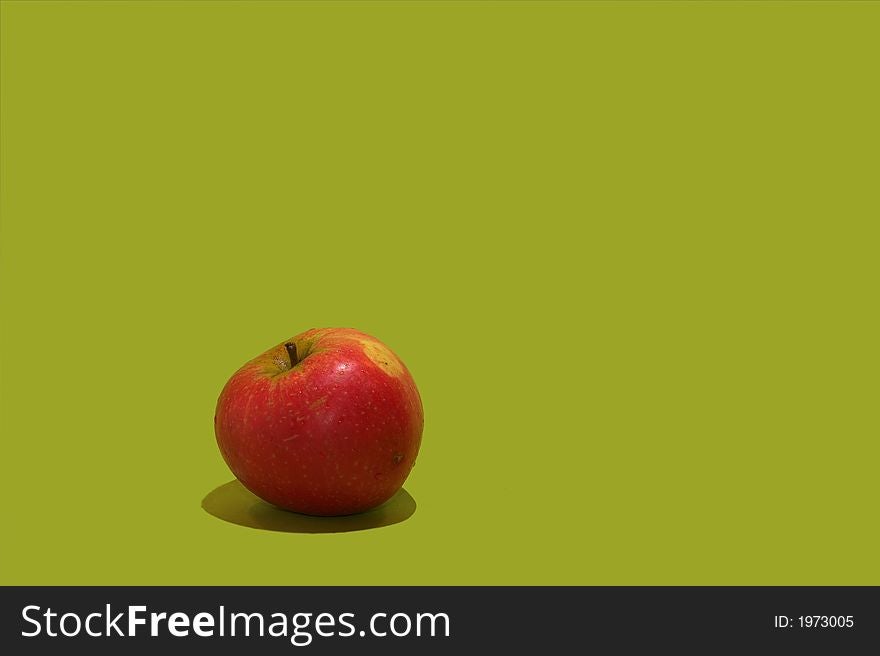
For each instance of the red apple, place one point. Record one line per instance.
(326, 423)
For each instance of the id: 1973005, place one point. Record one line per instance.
(813, 622)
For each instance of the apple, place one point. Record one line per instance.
(326, 423)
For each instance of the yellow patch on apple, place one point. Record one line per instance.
(382, 357)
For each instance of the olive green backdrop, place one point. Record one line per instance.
(629, 252)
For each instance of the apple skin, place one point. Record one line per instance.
(336, 434)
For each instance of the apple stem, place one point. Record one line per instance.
(291, 352)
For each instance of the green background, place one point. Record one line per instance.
(628, 251)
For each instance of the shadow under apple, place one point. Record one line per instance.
(234, 503)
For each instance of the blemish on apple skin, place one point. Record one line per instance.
(397, 458)
(317, 403)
